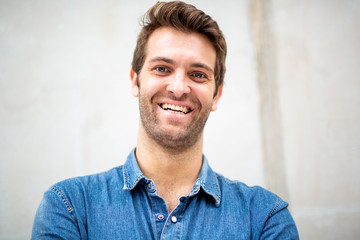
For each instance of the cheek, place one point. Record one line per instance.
(205, 95)
(150, 87)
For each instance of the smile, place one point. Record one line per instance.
(175, 109)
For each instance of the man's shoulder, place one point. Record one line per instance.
(266, 212)
(110, 179)
(253, 196)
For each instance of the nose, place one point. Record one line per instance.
(178, 85)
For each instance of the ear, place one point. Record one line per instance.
(217, 97)
(134, 85)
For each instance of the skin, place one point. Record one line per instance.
(178, 70)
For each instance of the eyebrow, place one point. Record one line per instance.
(161, 59)
(204, 66)
(170, 61)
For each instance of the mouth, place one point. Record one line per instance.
(175, 108)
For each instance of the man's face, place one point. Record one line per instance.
(176, 87)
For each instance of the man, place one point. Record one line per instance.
(166, 189)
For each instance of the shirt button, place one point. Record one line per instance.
(173, 219)
(161, 217)
(151, 187)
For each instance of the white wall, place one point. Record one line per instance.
(66, 107)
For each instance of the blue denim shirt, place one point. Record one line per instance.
(122, 204)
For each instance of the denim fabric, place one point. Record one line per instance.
(122, 204)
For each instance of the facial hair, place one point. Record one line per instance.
(183, 139)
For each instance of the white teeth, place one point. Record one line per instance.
(175, 108)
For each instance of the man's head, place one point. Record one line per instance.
(185, 18)
(177, 73)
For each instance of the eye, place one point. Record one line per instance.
(161, 69)
(199, 75)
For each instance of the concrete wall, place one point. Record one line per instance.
(318, 69)
(288, 119)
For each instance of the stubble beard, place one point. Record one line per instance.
(187, 137)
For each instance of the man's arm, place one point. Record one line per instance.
(280, 224)
(55, 218)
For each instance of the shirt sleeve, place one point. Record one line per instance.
(280, 224)
(55, 218)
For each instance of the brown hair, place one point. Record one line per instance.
(186, 18)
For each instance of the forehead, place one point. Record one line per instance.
(171, 43)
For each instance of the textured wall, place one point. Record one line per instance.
(288, 119)
(318, 69)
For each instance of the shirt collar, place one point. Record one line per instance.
(207, 179)
(209, 182)
(132, 172)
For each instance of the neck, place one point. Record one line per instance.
(157, 162)
(174, 172)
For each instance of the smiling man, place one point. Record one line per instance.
(166, 188)
(176, 88)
